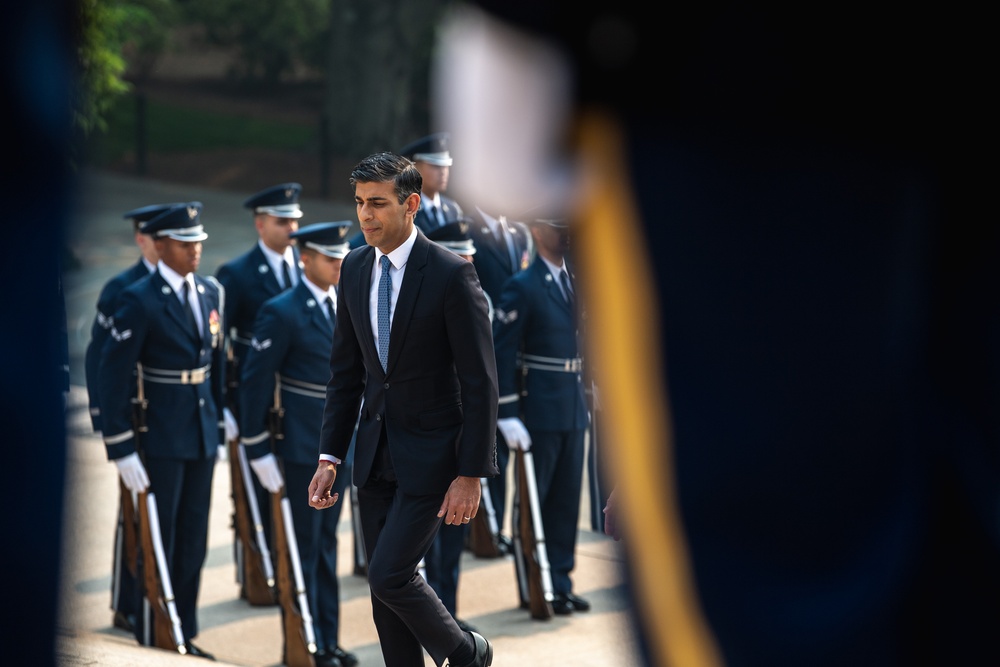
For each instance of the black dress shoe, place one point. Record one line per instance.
(124, 621)
(326, 659)
(579, 604)
(193, 650)
(484, 653)
(346, 658)
(467, 627)
(504, 545)
(562, 606)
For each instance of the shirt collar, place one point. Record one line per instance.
(275, 259)
(490, 221)
(148, 264)
(400, 255)
(317, 293)
(174, 279)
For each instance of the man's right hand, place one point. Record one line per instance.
(268, 473)
(514, 433)
(133, 473)
(321, 486)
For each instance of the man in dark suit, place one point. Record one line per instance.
(123, 584)
(292, 339)
(168, 327)
(536, 333)
(413, 342)
(506, 248)
(267, 269)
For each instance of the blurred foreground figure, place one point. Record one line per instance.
(797, 333)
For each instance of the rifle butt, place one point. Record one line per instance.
(297, 650)
(254, 584)
(539, 604)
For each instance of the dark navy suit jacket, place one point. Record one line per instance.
(438, 399)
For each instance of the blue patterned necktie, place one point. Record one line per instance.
(384, 293)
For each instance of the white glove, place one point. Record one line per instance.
(231, 427)
(133, 473)
(266, 469)
(222, 453)
(514, 433)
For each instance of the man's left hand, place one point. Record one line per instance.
(461, 503)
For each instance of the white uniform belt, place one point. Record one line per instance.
(302, 388)
(555, 364)
(171, 376)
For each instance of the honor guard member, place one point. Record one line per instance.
(433, 160)
(538, 350)
(443, 559)
(168, 332)
(267, 269)
(293, 335)
(505, 247)
(123, 585)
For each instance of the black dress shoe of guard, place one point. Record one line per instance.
(347, 659)
(326, 659)
(561, 606)
(484, 653)
(504, 545)
(193, 650)
(579, 604)
(124, 621)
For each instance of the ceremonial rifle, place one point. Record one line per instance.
(160, 626)
(296, 621)
(484, 533)
(254, 569)
(530, 554)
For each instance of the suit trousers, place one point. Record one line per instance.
(398, 529)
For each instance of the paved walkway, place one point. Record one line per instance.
(237, 633)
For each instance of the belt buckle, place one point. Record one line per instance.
(197, 376)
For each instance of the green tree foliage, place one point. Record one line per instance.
(112, 36)
(273, 39)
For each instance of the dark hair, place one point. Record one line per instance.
(386, 167)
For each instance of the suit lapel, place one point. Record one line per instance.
(363, 303)
(412, 277)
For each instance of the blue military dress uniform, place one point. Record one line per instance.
(181, 372)
(106, 302)
(249, 280)
(291, 346)
(124, 590)
(535, 330)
